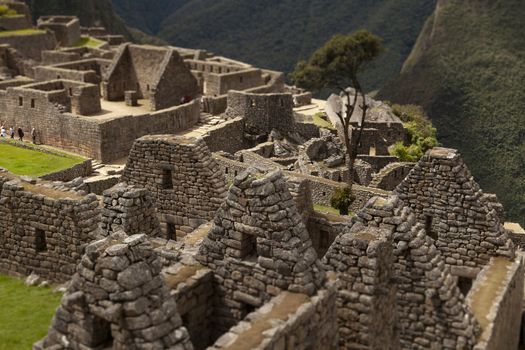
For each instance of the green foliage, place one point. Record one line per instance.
(289, 29)
(341, 199)
(27, 313)
(6, 11)
(411, 153)
(467, 71)
(87, 41)
(337, 63)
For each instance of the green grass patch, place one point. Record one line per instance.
(32, 162)
(26, 313)
(87, 41)
(326, 209)
(21, 32)
(320, 122)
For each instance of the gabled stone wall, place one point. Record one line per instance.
(117, 300)
(449, 203)
(258, 247)
(429, 308)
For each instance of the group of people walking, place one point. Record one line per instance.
(19, 131)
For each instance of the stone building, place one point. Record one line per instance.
(156, 74)
(183, 178)
(65, 28)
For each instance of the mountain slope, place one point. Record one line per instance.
(277, 33)
(90, 13)
(467, 70)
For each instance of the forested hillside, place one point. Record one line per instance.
(467, 70)
(277, 33)
(90, 13)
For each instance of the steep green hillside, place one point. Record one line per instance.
(277, 33)
(467, 70)
(90, 13)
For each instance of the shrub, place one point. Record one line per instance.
(6, 11)
(341, 199)
(421, 133)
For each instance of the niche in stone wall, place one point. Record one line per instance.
(32, 103)
(171, 232)
(40, 240)
(428, 228)
(167, 179)
(20, 101)
(248, 247)
(464, 284)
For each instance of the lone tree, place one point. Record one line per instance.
(336, 65)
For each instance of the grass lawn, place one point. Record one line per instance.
(22, 161)
(325, 209)
(87, 41)
(317, 120)
(20, 32)
(26, 313)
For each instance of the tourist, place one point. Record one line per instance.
(12, 132)
(33, 135)
(20, 134)
(2, 132)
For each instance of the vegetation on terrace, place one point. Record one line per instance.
(21, 32)
(421, 133)
(87, 41)
(34, 162)
(27, 313)
(5, 11)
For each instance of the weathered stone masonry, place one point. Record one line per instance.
(258, 247)
(183, 178)
(42, 230)
(117, 299)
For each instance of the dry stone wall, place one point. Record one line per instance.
(117, 299)
(185, 182)
(258, 247)
(130, 210)
(363, 260)
(43, 231)
(431, 311)
(297, 322)
(450, 204)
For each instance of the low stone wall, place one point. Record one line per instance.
(14, 22)
(119, 134)
(99, 184)
(194, 299)
(31, 45)
(227, 137)
(504, 316)
(378, 162)
(322, 189)
(298, 322)
(42, 230)
(324, 228)
(79, 170)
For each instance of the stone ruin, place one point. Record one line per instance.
(325, 157)
(260, 235)
(250, 278)
(129, 209)
(118, 300)
(182, 177)
(454, 211)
